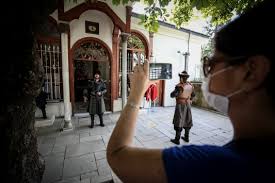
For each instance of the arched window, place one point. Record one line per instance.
(136, 51)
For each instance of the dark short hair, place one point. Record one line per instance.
(251, 34)
(97, 72)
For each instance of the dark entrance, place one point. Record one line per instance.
(83, 72)
(89, 58)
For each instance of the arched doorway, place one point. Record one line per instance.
(88, 56)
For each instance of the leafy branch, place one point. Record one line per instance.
(219, 11)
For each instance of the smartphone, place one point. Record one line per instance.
(160, 71)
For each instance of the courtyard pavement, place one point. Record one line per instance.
(79, 156)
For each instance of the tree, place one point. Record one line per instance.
(219, 11)
(21, 80)
(208, 49)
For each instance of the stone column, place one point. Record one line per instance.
(65, 76)
(124, 37)
(115, 63)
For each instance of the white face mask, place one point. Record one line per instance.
(219, 102)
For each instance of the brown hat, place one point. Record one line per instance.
(184, 74)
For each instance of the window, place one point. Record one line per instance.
(52, 63)
(135, 53)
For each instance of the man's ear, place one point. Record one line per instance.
(257, 69)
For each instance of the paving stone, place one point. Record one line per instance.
(71, 180)
(84, 134)
(78, 165)
(102, 163)
(80, 120)
(84, 148)
(98, 130)
(100, 155)
(45, 149)
(80, 155)
(89, 175)
(59, 149)
(48, 141)
(53, 168)
(91, 138)
(66, 140)
(85, 181)
(101, 179)
(103, 167)
(105, 171)
(106, 139)
(202, 133)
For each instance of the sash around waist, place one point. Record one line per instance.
(182, 100)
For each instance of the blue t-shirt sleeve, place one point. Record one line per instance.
(196, 163)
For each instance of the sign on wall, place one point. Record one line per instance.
(91, 27)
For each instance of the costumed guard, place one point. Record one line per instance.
(184, 93)
(96, 91)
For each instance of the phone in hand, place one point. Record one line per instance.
(160, 71)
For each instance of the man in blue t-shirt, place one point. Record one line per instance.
(237, 161)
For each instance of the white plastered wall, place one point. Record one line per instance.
(106, 26)
(167, 43)
(120, 10)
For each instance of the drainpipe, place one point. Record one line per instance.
(186, 54)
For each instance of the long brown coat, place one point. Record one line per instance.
(96, 103)
(183, 115)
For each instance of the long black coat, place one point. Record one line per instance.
(96, 103)
(41, 99)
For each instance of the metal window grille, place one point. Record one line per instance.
(129, 67)
(133, 57)
(129, 62)
(52, 63)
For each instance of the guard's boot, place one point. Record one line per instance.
(101, 120)
(186, 135)
(177, 138)
(92, 121)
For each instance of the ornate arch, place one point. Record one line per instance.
(87, 44)
(91, 51)
(143, 39)
(75, 12)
